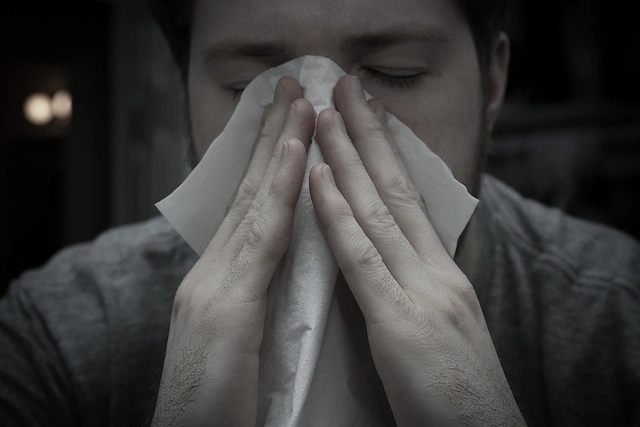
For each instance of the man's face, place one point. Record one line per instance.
(378, 40)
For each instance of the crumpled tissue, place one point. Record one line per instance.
(310, 371)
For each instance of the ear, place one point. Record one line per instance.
(497, 73)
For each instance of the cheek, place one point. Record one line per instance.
(210, 109)
(447, 118)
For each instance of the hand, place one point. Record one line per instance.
(428, 338)
(210, 373)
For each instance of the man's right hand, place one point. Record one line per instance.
(210, 373)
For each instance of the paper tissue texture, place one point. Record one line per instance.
(310, 373)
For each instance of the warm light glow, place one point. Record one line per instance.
(61, 105)
(37, 109)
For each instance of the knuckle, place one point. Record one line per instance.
(268, 131)
(397, 183)
(258, 233)
(399, 189)
(266, 234)
(256, 205)
(373, 130)
(352, 163)
(459, 305)
(365, 255)
(235, 211)
(469, 298)
(466, 293)
(246, 191)
(457, 284)
(247, 188)
(453, 310)
(378, 214)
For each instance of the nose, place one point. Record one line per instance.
(344, 61)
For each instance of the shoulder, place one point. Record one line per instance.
(125, 260)
(113, 253)
(563, 302)
(99, 313)
(549, 239)
(125, 273)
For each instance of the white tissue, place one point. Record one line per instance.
(310, 373)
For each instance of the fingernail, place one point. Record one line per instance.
(337, 117)
(285, 149)
(356, 86)
(328, 176)
(381, 112)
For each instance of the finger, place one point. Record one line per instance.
(368, 208)
(273, 122)
(286, 92)
(257, 160)
(377, 292)
(392, 181)
(381, 113)
(301, 123)
(269, 235)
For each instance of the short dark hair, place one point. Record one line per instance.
(486, 19)
(174, 18)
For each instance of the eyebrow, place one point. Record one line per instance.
(246, 49)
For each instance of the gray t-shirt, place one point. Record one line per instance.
(82, 339)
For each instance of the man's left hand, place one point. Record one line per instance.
(427, 333)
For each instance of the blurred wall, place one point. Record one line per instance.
(53, 176)
(569, 134)
(64, 182)
(147, 147)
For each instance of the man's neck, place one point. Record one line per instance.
(467, 252)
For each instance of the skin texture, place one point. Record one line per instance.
(426, 331)
(210, 373)
(427, 334)
(443, 109)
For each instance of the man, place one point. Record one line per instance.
(547, 334)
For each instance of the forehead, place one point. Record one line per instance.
(320, 23)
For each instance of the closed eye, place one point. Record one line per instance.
(397, 82)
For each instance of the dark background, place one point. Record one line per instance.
(569, 135)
